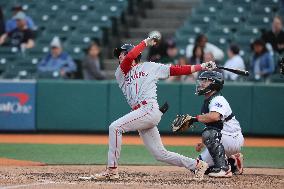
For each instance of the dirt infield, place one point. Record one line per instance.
(27, 174)
(14, 162)
(138, 177)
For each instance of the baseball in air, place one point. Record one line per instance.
(155, 34)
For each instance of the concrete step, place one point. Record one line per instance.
(168, 13)
(176, 4)
(143, 32)
(161, 23)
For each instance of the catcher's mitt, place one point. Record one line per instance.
(183, 122)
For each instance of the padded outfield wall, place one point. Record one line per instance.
(91, 106)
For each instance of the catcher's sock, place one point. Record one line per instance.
(208, 170)
(231, 162)
(237, 162)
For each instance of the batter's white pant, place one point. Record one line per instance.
(232, 143)
(144, 120)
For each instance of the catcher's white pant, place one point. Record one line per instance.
(145, 120)
(232, 143)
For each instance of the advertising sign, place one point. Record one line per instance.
(17, 106)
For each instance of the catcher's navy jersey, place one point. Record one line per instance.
(220, 104)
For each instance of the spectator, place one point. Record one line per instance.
(235, 61)
(262, 64)
(172, 53)
(184, 78)
(2, 22)
(157, 52)
(92, 64)
(57, 62)
(11, 24)
(21, 36)
(202, 41)
(208, 56)
(197, 55)
(275, 37)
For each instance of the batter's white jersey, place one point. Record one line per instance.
(140, 83)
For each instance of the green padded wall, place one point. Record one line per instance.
(191, 104)
(240, 98)
(71, 105)
(118, 105)
(93, 106)
(171, 94)
(268, 109)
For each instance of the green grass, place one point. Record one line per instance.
(130, 154)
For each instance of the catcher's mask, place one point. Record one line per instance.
(125, 48)
(216, 83)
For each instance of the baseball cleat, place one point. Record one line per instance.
(108, 174)
(238, 166)
(91, 177)
(220, 173)
(201, 167)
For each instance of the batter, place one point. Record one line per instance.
(138, 82)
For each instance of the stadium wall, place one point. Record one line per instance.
(91, 106)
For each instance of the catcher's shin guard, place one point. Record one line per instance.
(211, 138)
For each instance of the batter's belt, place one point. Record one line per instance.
(164, 108)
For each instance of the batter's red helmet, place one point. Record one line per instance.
(126, 48)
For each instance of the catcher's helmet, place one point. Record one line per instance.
(126, 48)
(216, 84)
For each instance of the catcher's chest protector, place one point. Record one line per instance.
(205, 110)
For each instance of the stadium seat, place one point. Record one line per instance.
(231, 21)
(188, 30)
(202, 11)
(244, 42)
(201, 22)
(21, 69)
(274, 5)
(251, 31)
(262, 23)
(234, 11)
(48, 75)
(240, 3)
(9, 53)
(89, 33)
(100, 20)
(216, 3)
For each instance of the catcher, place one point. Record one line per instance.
(222, 135)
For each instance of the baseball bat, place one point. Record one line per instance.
(236, 71)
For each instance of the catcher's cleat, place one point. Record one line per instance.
(237, 163)
(220, 173)
(201, 167)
